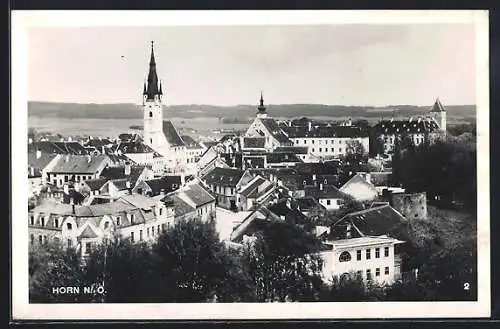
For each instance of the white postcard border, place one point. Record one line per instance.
(22, 310)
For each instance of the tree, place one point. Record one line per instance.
(126, 271)
(355, 147)
(283, 263)
(51, 267)
(191, 261)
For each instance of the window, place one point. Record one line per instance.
(151, 140)
(158, 231)
(153, 231)
(313, 141)
(320, 149)
(160, 211)
(313, 149)
(65, 178)
(140, 235)
(132, 237)
(69, 226)
(42, 221)
(377, 252)
(328, 202)
(386, 270)
(386, 252)
(358, 254)
(332, 150)
(147, 231)
(150, 114)
(377, 271)
(368, 274)
(118, 220)
(32, 239)
(44, 239)
(340, 141)
(340, 150)
(56, 222)
(345, 256)
(106, 225)
(89, 177)
(368, 254)
(163, 227)
(32, 220)
(69, 243)
(232, 190)
(305, 141)
(359, 274)
(40, 239)
(88, 247)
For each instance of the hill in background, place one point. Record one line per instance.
(132, 111)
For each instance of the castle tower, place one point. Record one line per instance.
(438, 113)
(261, 109)
(152, 106)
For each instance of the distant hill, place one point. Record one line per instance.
(132, 111)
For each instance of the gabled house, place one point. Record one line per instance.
(360, 188)
(199, 199)
(76, 168)
(328, 196)
(224, 184)
(157, 186)
(254, 192)
(38, 165)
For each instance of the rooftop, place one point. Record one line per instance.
(76, 164)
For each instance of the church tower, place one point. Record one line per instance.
(152, 105)
(261, 109)
(438, 113)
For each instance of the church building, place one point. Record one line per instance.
(161, 135)
(267, 130)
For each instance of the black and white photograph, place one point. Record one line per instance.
(229, 166)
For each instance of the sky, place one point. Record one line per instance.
(228, 65)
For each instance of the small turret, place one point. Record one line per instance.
(261, 109)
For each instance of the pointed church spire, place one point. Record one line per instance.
(144, 90)
(437, 107)
(152, 86)
(160, 92)
(261, 108)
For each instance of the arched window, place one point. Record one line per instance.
(345, 256)
(150, 114)
(69, 226)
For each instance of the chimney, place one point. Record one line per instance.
(127, 168)
(309, 126)
(321, 186)
(314, 177)
(72, 202)
(38, 154)
(129, 188)
(183, 179)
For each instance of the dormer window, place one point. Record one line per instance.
(345, 256)
(42, 221)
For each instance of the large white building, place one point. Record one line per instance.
(368, 257)
(327, 141)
